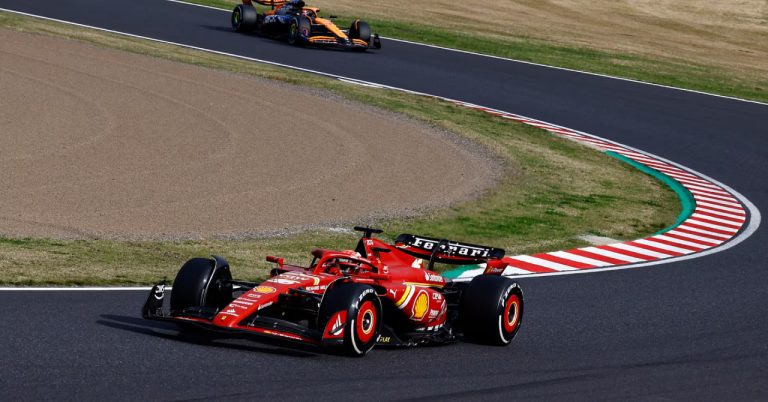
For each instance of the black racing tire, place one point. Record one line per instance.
(360, 30)
(363, 316)
(199, 283)
(491, 310)
(244, 18)
(299, 30)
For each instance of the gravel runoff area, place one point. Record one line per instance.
(98, 143)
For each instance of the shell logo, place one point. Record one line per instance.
(265, 289)
(420, 305)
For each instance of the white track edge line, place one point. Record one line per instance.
(754, 221)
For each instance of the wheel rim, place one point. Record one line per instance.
(236, 17)
(511, 317)
(294, 33)
(366, 322)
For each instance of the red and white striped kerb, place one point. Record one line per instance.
(717, 217)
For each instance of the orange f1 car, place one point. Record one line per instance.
(300, 25)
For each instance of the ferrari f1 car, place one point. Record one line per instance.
(300, 25)
(350, 301)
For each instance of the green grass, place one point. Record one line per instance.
(551, 191)
(664, 72)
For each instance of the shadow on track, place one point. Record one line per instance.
(171, 332)
(222, 28)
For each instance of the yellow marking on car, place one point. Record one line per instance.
(426, 285)
(406, 294)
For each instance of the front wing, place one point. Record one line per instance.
(203, 318)
(276, 329)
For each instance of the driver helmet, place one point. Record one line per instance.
(297, 5)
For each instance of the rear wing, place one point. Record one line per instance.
(446, 251)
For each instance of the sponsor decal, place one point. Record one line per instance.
(452, 248)
(433, 314)
(423, 243)
(316, 288)
(283, 334)
(299, 277)
(159, 292)
(508, 291)
(265, 289)
(384, 339)
(430, 277)
(418, 263)
(420, 305)
(228, 312)
(365, 292)
(269, 19)
(283, 281)
(265, 305)
(335, 326)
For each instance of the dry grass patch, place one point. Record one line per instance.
(731, 34)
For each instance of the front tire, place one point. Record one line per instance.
(244, 18)
(362, 310)
(491, 310)
(360, 30)
(201, 282)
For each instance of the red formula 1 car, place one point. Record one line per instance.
(352, 300)
(299, 25)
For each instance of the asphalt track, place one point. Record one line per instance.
(689, 330)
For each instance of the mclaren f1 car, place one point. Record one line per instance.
(350, 301)
(301, 25)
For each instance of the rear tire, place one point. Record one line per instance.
(200, 283)
(244, 18)
(491, 310)
(363, 315)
